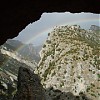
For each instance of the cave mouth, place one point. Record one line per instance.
(36, 33)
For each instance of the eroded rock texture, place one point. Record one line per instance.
(29, 86)
(15, 15)
(70, 61)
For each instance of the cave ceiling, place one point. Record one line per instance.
(15, 15)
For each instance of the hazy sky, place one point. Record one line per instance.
(36, 32)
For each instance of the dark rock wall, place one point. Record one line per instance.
(29, 86)
(15, 15)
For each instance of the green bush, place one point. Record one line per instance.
(59, 67)
(48, 41)
(48, 34)
(98, 75)
(53, 73)
(93, 94)
(58, 49)
(44, 46)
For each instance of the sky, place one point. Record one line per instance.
(37, 32)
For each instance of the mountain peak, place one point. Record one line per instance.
(94, 28)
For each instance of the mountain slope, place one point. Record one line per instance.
(27, 51)
(70, 61)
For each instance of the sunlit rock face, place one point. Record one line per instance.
(70, 61)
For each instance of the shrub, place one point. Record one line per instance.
(88, 88)
(48, 34)
(52, 56)
(58, 49)
(53, 73)
(78, 77)
(65, 71)
(62, 84)
(52, 63)
(44, 46)
(98, 75)
(59, 67)
(93, 94)
(48, 41)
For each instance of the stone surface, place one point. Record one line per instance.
(15, 15)
(29, 86)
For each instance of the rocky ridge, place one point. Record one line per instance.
(70, 62)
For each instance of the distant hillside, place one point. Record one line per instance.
(29, 52)
(95, 28)
(13, 44)
(25, 50)
(70, 62)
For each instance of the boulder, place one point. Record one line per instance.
(28, 86)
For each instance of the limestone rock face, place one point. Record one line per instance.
(70, 61)
(29, 86)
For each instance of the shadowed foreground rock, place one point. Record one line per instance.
(29, 86)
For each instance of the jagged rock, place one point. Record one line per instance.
(29, 86)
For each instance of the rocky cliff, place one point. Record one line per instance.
(70, 62)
